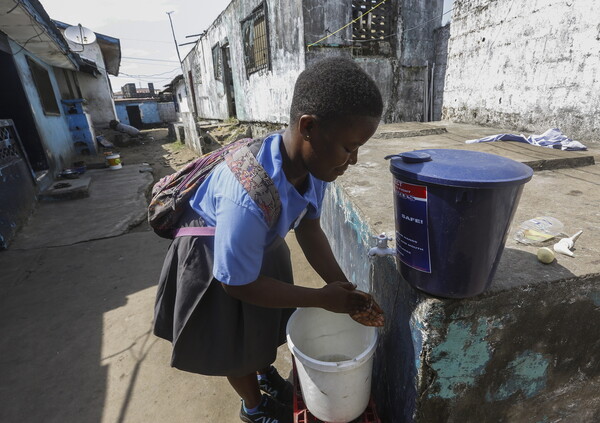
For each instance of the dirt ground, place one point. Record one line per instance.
(164, 155)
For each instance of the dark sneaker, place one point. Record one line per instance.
(269, 411)
(276, 386)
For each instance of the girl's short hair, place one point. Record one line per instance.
(333, 88)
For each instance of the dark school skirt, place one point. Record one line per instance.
(213, 333)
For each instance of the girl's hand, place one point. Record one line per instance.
(343, 297)
(370, 315)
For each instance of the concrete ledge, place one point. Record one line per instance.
(522, 351)
(407, 130)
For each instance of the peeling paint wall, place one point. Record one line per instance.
(527, 354)
(182, 97)
(400, 76)
(95, 90)
(530, 66)
(166, 112)
(53, 130)
(397, 357)
(441, 61)
(263, 96)
(148, 111)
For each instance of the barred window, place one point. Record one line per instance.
(216, 55)
(256, 40)
(371, 31)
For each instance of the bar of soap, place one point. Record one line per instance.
(545, 255)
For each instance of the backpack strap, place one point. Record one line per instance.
(195, 231)
(256, 182)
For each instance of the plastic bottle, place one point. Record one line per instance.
(539, 230)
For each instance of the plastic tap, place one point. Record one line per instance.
(564, 245)
(382, 249)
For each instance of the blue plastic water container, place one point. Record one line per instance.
(453, 212)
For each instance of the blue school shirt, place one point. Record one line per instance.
(241, 234)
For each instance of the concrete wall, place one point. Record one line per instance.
(148, 110)
(441, 37)
(263, 96)
(53, 130)
(523, 354)
(401, 75)
(350, 234)
(524, 350)
(528, 66)
(182, 97)
(166, 112)
(95, 90)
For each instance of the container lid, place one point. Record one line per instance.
(459, 168)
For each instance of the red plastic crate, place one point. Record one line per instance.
(302, 415)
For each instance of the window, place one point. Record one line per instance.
(216, 55)
(371, 32)
(255, 36)
(44, 88)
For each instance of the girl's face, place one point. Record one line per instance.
(329, 149)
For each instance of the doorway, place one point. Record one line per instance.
(135, 116)
(14, 105)
(228, 81)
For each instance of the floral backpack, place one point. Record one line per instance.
(171, 194)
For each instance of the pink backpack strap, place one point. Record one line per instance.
(195, 231)
(256, 181)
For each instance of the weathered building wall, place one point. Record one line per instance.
(523, 351)
(400, 69)
(263, 96)
(148, 111)
(418, 21)
(441, 36)
(182, 97)
(96, 89)
(400, 74)
(350, 233)
(528, 66)
(320, 18)
(53, 129)
(166, 112)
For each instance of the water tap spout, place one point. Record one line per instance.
(381, 249)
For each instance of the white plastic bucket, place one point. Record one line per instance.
(114, 161)
(334, 360)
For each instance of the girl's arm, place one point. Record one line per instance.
(317, 250)
(339, 297)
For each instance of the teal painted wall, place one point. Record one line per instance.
(524, 354)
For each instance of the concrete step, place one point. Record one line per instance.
(67, 189)
(407, 130)
(401, 137)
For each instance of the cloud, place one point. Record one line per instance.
(97, 14)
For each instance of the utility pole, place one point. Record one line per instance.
(174, 39)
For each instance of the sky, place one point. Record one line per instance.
(147, 47)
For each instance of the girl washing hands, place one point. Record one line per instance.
(224, 300)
